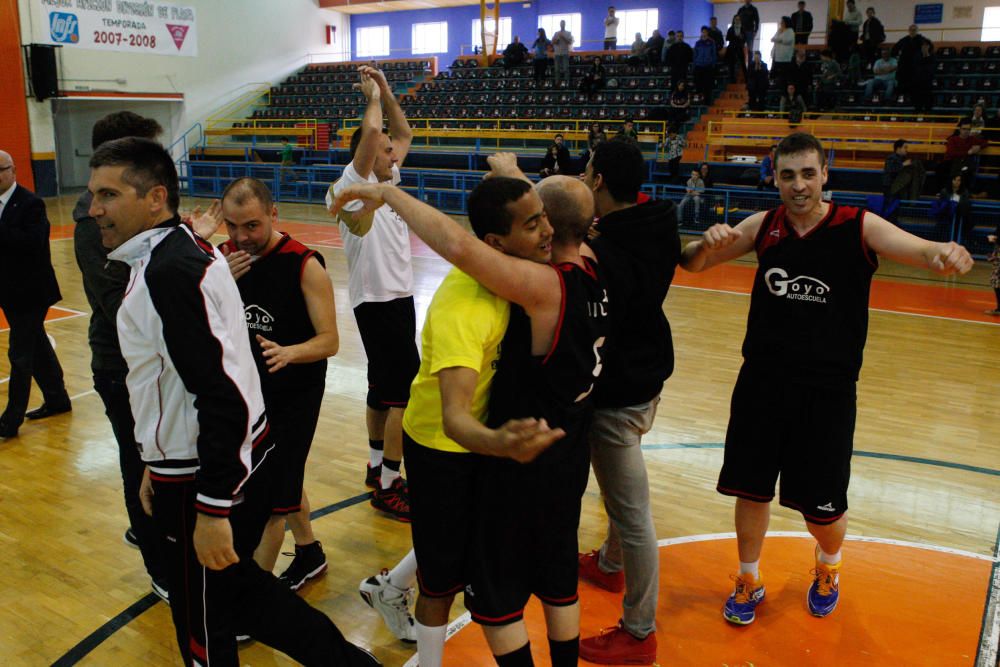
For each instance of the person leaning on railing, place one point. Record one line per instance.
(793, 104)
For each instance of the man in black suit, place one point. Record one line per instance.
(27, 288)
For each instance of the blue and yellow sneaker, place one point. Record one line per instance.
(825, 589)
(741, 604)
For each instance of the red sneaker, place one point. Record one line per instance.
(591, 571)
(616, 646)
(394, 501)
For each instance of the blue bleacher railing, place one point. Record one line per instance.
(447, 190)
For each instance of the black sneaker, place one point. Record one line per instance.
(373, 476)
(309, 562)
(395, 500)
(131, 539)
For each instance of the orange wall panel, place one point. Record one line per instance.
(15, 133)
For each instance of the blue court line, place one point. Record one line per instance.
(989, 595)
(97, 637)
(870, 455)
(94, 639)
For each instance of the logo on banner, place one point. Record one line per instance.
(64, 28)
(178, 32)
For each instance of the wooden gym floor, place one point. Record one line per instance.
(926, 470)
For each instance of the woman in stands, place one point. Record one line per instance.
(736, 47)
(595, 136)
(541, 47)
(594, 79)
(792, 104)
(783, 50)
(680, 102)
(953, 205)
(758, 81)
(637, 54)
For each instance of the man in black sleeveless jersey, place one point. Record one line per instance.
(199, 419)
(802, 353)
(292, 322)
(557, 339)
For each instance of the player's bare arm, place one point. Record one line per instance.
(518, 439)
(399, 127)
(530, 284)
(360, 222)
(888, 240)
(721, 243)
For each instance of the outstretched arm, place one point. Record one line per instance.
(721, 243)
(530, 284)
(371, 127)
(890, 241)
(399, 127)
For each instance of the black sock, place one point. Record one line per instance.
(564, 653)
(391, 465)
(377, 445)
(519, 658)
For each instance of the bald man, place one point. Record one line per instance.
(559, 317)
(27, 288)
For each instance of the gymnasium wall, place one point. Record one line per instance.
(674, 15)
(240, 43)
(962, 19)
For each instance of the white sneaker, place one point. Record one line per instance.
(392, 603)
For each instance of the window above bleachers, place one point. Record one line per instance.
(503, 38)
(991, 24)
(372, 41)
(550, 22)
(631, 21)
(430, 37)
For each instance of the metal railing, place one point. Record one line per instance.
(448, 191)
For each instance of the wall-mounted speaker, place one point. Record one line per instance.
(42, 71)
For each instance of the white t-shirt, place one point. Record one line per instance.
(378, 263)
(610, 27)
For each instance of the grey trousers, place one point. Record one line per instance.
(616, 455)
(562, 69)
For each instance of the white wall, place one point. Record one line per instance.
(770, 12)
(240, 42)
(966, 26)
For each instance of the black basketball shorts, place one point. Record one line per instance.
(388, 333)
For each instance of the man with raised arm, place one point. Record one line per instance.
(802, 353)
(380, 286)
(551, 357)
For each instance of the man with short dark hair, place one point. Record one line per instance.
(638, 247)
(961, 155)
(380, 287)
(716, 34)
(562, 41)
(884, 76)
(706, 55)
(750, 20)
(610, 30)
(802, 23)
(871, 36)
(805, 337)
(28, 288)
(516, 54)
(903, 176)
(908, 51)
(104, 283)
(679, 58)
(200, 420)
(291, 320)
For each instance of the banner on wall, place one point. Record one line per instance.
(134, 26)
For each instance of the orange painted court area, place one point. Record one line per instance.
(899, 605)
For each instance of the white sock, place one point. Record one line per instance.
(388, 475)
(430, 644)
(751, 568)
(404, 575)
(829, 559)
(374, 457)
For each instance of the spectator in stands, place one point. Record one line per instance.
(706, 175)
(829, 76)
(800, 72)
(853, 19)
(758, 81)
(907, 52)
(287, 161)
(541, 47)
(952, 208)
(903, 177)
(994, 238)
(783, 50)
(595, 78)
(670, 41)
(977, 120)
(628, 131)
(679, 57)
(766, 179)
(680, 103)
(595, 136)
(715, 34)
(884, 71)
(793, 104)
(706, 56)
(736, 49)
(750, 19)
(695, 188)
(561, 43)
(920, 86)
(610, 30)
(802, 24)
(961, 156)
(516, 54)
(550, 163)
(871, 37)
(637, 53)
(673, 150)
(563, 154)
(654, 46)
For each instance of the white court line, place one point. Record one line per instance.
(453, 629)
(5, 380)
(989, 648)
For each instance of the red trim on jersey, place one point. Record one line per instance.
(260, 438)
(743, 494)
(562, 315)
(559, 602)
(159, 401)
(305, 259)
(198, 649)
(506, 618)
(434, 594)
(229, 246)
(209, 509)
(171, 479)
(822, 223)
(865, 250)
(819, 520)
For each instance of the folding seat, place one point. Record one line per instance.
(971, 52)
(968, 67)
(945, 52)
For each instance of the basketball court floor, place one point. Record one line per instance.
(924, 520)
